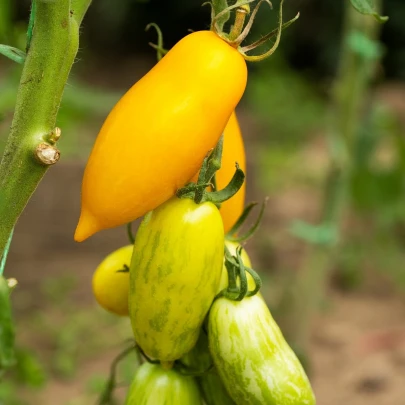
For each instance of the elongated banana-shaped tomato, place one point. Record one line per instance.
(155, 138)
(174, 276)
(233, 152)
(152, 385)
(252, 357)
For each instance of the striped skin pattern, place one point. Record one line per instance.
(152, 385)
(174, 276)
(211, 386)
(254, 361)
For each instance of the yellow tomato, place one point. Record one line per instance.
(158, 134)
(233, 151)
(111, 286)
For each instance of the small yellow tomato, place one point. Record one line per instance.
(156, 137)
(110, 284)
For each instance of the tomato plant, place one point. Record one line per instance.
(200, 326)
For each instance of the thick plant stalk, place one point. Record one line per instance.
(30, 148)
(351, 87)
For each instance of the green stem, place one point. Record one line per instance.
(5, 254)
(351, 86)
(52, 52)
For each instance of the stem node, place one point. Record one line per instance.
(47, 154)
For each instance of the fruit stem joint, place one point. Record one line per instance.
(237, 28)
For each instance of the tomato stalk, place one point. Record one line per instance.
(237, 270)
(240, 17)
(239, 32)
(211, 164)
(30, 148)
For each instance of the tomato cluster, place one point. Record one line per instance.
(187, 286)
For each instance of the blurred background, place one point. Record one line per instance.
(324, 126)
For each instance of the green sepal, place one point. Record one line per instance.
(257, 280)
(241, 220)
(30, 28)
(366, 7)
(15, 54)
(217, 6)
(218, 197)
(236, 269)
(160, 50)
(7, 334)
(130, 234)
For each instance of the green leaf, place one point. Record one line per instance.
(217, 7)
(367, 7)
(14, 54)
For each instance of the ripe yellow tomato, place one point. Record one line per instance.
(111, 286)
(233, 151)
(156, 137)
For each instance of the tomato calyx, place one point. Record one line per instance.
(160, 50)
(206, 179)
(237, 270)
(239, 32)
(232, 233)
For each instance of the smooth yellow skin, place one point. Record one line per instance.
(233, 152)
(156, 137)
(174, 276)
(110, 287)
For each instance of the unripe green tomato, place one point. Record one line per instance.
(252, 357)
(174, 276)
(153, 385)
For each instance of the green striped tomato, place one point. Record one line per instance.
(211, 385)
(252, 357)
(174, 276)
(152, 385)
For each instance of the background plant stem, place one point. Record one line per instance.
(348, 100)
(50, 57)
